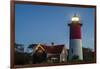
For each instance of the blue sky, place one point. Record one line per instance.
(46, 24)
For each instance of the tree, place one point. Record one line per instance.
(19, 54)
(39, 57)
(88, 55)
(19, 47)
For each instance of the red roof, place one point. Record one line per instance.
(53, 49)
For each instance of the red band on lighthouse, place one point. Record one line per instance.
(75, 31)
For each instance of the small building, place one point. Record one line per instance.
(49, 53)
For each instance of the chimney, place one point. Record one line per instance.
(52, 44)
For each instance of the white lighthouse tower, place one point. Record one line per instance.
(75, 49)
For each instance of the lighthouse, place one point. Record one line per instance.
(75, 47)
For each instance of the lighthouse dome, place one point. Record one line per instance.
(75, 18)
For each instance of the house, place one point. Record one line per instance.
(49, 53)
